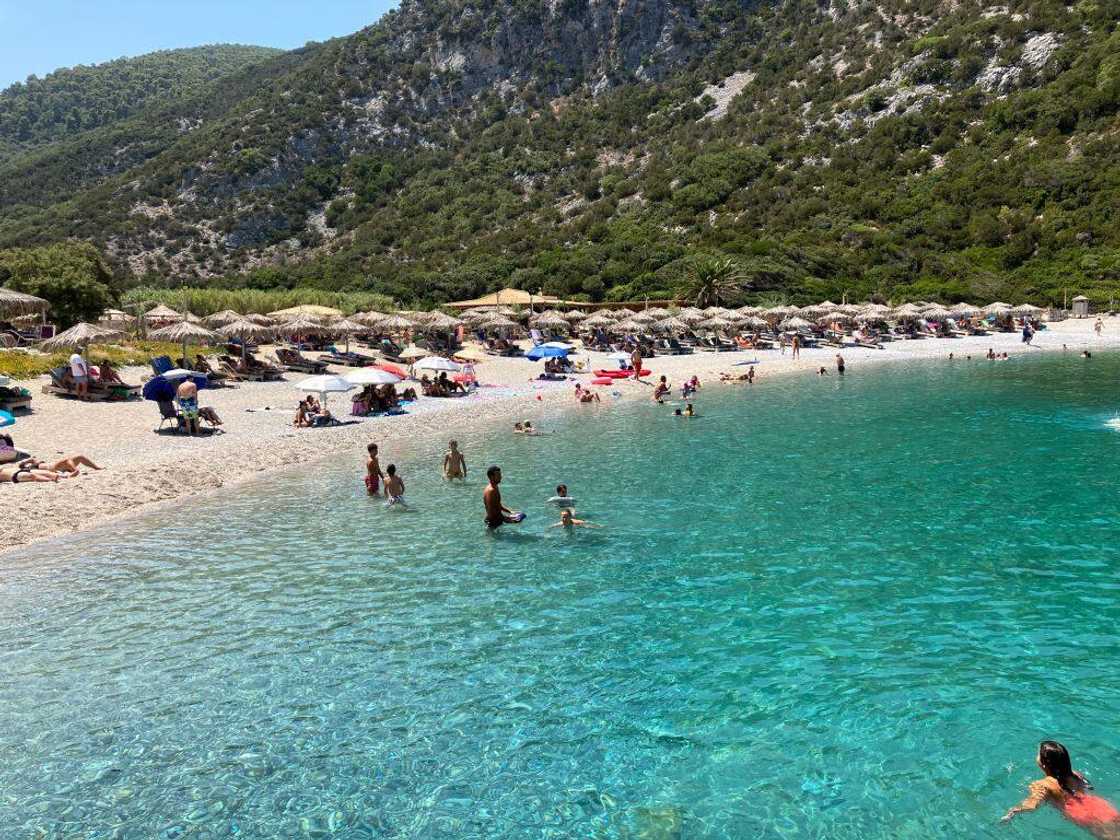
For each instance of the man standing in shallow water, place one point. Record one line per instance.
(454, 464)
(636, 361)
(497, 514)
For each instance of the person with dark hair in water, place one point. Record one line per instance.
(497, 514)
(1067, 790)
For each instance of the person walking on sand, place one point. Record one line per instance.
(839, 364)
(373, 471)
(636, 362)
(454, 464)
(497, 514)
(795, 346)
(1097, 327)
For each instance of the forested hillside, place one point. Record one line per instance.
(76, 99)
(896, 149)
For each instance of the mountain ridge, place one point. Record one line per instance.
(891, 148)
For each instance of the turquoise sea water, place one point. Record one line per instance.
(823, 609)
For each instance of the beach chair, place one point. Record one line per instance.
(170, 414)
(295, 361)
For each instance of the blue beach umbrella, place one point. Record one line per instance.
(158, 389)
(544, 352)
(6, 419)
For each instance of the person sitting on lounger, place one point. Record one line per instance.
(108, 374)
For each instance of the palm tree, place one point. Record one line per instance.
(715, 281)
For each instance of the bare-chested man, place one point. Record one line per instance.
(497, 514)
(636, 361)
(454, 464)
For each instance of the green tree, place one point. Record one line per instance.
(72, 276)
(715, 281)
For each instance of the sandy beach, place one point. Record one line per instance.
(143, 468)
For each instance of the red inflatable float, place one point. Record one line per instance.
(620, 374)
(602, 380)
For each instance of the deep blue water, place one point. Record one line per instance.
(822, 609)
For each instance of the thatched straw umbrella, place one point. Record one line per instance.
(628, 326)
(246, 331)
(115, 319)
(267, 321)
(997, 308)
(716, 322)
(80, 336)
(908, 311)
(794, 322)
(671, 325)
(162, 313)
(396, 323)
(598, 320)
(370, 319)
(13, 303)
(575, 316)
(185, 332)
(438, 321)
(835, 316)
(965, 310)
(1026, 310)
(226, 316)
(345, 327)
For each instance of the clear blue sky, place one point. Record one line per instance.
(38, 36)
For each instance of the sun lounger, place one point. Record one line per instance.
(60, 385)
(351, 359)
(295, 361)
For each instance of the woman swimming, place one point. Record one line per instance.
(1066, 790)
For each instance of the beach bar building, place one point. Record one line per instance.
(1080, 307)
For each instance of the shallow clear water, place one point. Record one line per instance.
(823, 609)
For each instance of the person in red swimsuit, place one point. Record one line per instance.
(1068, 791)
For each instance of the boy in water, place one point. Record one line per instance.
(562, 498)
(373, 471)
(394, 486)
(454, 464)
(568, 521)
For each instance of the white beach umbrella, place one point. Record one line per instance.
(371, 376)
(325, 384)
(437, 363)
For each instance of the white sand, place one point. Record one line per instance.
(143, 468)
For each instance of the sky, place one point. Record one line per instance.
(38, 36)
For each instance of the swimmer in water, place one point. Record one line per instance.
(1067, 790)
(661, 391)
(568, 521)
(678, 413)
(454, 464)
(689, 411)
(1085, 354)
(394, 486)
(562, 498)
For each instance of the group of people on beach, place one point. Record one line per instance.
(19, 470)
